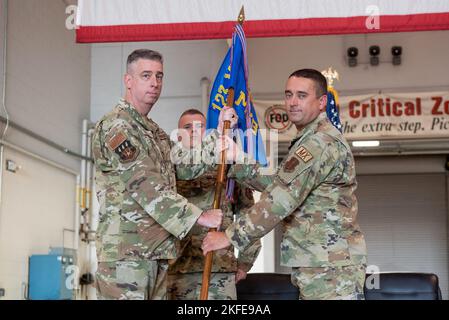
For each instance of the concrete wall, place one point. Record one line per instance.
(33, 218)
(423, 67)
(48, 77)
(2, 39)
(47, 92)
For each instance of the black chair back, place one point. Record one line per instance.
(392, 286)
(267, 286)
(403, 286)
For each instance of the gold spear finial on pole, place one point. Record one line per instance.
(241, 17)
(331, 75)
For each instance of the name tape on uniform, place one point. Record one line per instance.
(304, 154)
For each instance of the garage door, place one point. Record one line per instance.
(404, 218)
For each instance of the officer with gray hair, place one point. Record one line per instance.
(142, 217)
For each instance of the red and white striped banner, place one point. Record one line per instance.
(150, 20)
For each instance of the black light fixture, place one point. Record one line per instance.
(374, 52)
(353, 52)
(396, 51)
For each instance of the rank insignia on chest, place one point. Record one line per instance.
(304, 154)
(123, 147)
(291, 164)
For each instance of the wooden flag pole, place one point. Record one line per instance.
(221, 180)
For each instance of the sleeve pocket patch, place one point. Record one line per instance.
(123, 148)
(292, 168)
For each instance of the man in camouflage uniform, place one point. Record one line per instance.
(312, 195)
(185, 275)
(141, 215)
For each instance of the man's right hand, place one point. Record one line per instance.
(211, 218)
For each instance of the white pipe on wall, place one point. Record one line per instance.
(91, 248)
(94, 211)
(89, 177)
(83, 169)
(76, 237)
(93, 262)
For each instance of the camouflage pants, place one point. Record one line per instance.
(132, 280)
(187, 286)
(330, 283)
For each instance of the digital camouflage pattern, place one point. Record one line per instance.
(200, 192)
(132, 280)
(187, 286)
(312, 195)
(330, 283)
(141, 215)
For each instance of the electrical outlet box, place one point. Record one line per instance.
(11, 166)
(48, 277)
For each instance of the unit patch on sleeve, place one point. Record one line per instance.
(123, 147)
(291, 164)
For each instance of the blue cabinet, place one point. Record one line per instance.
(48, 277)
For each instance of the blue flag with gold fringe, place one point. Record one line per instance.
(234, 73)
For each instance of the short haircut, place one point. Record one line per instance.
(143, 54)
(314, 75)
(192, 112)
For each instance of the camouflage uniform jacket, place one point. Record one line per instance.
(312, 194)
(141, 215)
(201, 192)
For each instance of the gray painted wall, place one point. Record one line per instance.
(48, 78)
(47, 92)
